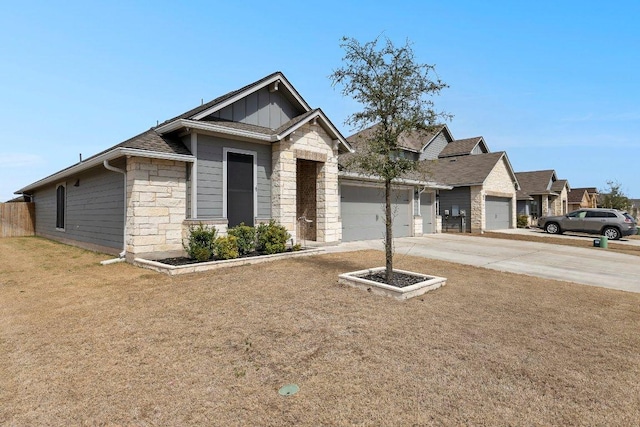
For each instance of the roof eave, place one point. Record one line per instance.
(373, 178)
(98, 160)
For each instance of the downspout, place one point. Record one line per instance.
(124, 235)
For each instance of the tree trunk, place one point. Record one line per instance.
(388, 235)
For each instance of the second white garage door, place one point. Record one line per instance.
(362, 212)
(498, 211)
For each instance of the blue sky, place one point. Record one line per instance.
(555, 84)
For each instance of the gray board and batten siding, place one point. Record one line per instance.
(362, 212)
(262, 108)
(435, 147)
(94, 209)
(460, 197)
(210, 180)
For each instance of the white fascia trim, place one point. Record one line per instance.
(277, 77)
(327, 123)
(194, 176)
(363, 177)
(98, 160)
(184, 123)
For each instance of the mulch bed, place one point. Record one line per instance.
(399, 280)
(177, 261)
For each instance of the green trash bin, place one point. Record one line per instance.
(604, 242)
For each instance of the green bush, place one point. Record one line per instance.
(226, 247)
(200, 244)
(246, 237)
(523, 221)
(271, 238)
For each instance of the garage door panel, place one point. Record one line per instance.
(498, 213)
(362, 212)
(426, 211)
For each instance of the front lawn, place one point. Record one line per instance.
(118, 345)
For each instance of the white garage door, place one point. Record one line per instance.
(498, 213)
(362, 212)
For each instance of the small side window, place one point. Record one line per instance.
(61, 202)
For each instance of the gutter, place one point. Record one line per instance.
(107, 166)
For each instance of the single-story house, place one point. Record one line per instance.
(542, 193)
(255, 154)
(584, 197)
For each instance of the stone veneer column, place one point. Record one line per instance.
(156, 207)
(476, 216)
(283, 185)
(310, 142)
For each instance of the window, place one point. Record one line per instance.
(61, 198)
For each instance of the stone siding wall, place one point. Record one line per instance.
(310, 142)
(499, 183)
(156, 207)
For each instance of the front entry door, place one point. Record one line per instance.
(240, 189)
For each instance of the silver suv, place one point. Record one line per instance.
(610, 223)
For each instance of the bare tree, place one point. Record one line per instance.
(395, 94)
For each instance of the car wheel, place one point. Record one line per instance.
(552, 228)
(611, 233)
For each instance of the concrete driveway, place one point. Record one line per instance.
(595, 267)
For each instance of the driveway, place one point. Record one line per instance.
(595, 267)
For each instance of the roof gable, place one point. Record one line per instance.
(468, 170)
(463, 147)
(536, 182)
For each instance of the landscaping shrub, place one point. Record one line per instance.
(271, 238)
(246, 237)
(523, 221)
(200, 244)
(226, 247)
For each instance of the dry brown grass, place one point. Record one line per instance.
(84, 344)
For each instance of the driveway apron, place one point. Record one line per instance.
(595, 267)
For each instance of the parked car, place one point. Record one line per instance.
(610, 223)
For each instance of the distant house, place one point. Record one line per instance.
(583, 197)
(542, 193)
(483, 185)
(634, 208)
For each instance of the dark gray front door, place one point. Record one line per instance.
(239, 189)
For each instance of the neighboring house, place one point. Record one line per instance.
(584, 197)
(483, 185)
(362, 197)
(634, 208)
(541, 193)
(252, 155)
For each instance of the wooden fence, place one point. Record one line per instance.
(17, 219)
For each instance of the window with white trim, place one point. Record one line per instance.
(61, 203)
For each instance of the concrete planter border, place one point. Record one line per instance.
(173, 270)
(355, 280)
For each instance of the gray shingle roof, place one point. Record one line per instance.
(558, 185)
(460, 147)
(575, 195)
(535, 182)
(413, 141)
(464, 170)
